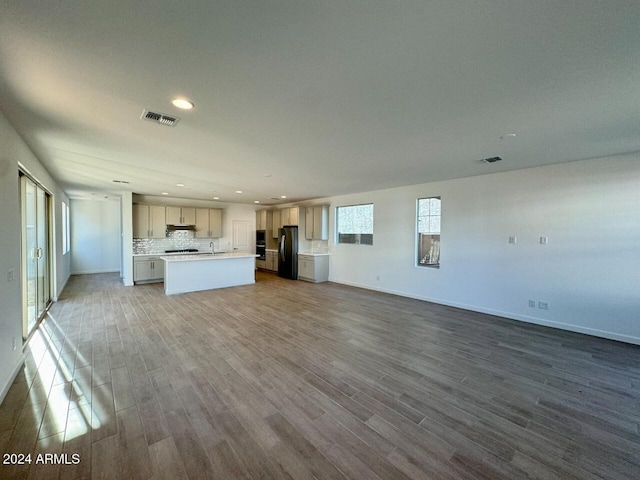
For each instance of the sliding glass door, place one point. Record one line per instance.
(36, 289)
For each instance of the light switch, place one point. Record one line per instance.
(513, 239)
(544, 240)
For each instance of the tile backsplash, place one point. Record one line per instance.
(319, 246)
(175, 241)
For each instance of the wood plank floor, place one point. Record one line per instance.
(286, 379)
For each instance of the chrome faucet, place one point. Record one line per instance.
(212, 249)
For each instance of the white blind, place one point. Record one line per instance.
(355, 219)
(429, 215)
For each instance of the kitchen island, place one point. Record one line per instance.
(192, 273)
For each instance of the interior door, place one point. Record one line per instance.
(36, 296)
(241, 236)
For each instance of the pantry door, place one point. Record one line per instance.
(241, 236)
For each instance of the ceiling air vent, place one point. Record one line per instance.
(490, 160)
(161, 118)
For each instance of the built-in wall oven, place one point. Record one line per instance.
(261, 244)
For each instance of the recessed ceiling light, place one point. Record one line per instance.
(179, 184)
(182, 103)
(165, 193)
(508, 135)
(256, 201)
(283, 196)
(216, 198)
(268, 174)
(238, 191)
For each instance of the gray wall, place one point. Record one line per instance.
(13, 151)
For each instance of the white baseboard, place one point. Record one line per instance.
(512, 316)
(14, 374)
(90, 272)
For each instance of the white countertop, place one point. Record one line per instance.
(164, 254)
(313, 254)
(207, 256)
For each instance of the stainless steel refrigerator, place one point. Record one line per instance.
(288, 252)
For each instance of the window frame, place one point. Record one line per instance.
(418, 239)
(66, 229)
(358, 236)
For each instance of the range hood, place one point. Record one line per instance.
(181, 228)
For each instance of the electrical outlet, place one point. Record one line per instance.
(532, 304)
(543, 305)
(513, 239)
(11, 275)
(544, 240)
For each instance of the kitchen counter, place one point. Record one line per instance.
(313, 254)
(188, 257)
(192, 273)
(165, 254)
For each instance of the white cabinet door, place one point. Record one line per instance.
(275, 223)
(181, 216)
(305, 267)
(215, 223)
(157, 222)
(141, 271)
(261, 220)
(202, 223)
(189, 215)
(174, 214)
(157, 270)
(284, 217)
(308, 223)
(294, 213)
(140, 221)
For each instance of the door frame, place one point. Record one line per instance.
(49, 245)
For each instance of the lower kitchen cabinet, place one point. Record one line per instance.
(313, 268)
(148, 269)
(270, 263)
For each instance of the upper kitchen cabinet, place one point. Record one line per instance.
(317, 223)
(289, 216)
(149, 221)
(275, 223)
(215, 222)
(208, 223)
(181, 215)
(263, 220)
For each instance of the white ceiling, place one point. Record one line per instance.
(327, 96)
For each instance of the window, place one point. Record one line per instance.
(429, 232)
(354, 224)
(66, 244)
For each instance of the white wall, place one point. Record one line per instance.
(588, 272)
(12, 151)
(95, 236)
(126, 241)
